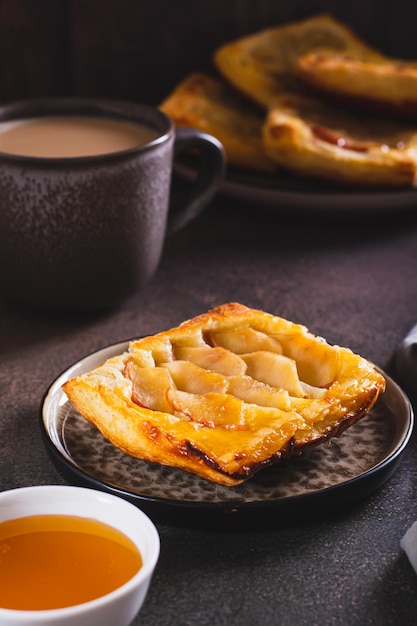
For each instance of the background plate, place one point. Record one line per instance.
(288, 192)
(347, 469)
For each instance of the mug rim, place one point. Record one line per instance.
(74, 106)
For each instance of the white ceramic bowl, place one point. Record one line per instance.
(117, 608)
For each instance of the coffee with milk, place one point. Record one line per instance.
(71, 136)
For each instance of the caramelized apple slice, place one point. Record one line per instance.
(210, 409)
(226, 411)
(194, 379)
(149, 386)
(273, 369)
(317, 362)
(216, 359)
(257, 392)
(243, 340)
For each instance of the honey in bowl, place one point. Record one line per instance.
(55, 561)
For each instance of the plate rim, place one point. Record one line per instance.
(375, 475)
(249, 188)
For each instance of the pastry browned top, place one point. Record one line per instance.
(263, 65)
(300, 98)
(211, 105)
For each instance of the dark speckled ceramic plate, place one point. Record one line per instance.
(346, 469)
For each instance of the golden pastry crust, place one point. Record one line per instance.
(384, 85)
(226, 393)
(292, 130)
(262, 65)
(207, 103)
(313, 138)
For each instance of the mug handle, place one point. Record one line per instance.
(209, 177)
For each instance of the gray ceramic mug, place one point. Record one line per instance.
(87, 232)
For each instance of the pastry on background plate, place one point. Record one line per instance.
(227, 393)
(263, 65)
(311, 137)
(207, 103)
(281, 105)
(382, 85)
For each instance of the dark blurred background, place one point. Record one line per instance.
(139, 49)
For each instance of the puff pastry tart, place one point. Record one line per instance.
(383, 85)
(226, 393)
(263, 65)
(207, 103)
(312, 138)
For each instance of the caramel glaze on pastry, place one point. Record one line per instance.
(226, 393)
(207, 103)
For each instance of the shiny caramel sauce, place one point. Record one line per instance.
(54, 561)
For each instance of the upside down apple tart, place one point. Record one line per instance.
(226, 393)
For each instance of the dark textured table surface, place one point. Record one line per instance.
(348, 278)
